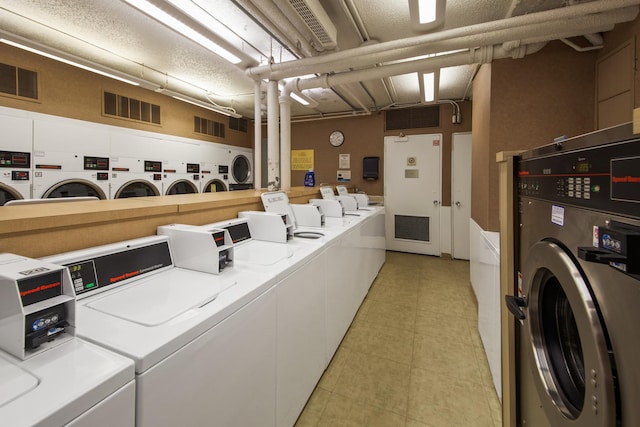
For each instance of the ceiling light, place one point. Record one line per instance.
(93, 68)
(227, 111)
(426, 14)
(300, 99)
(429, 85)
(173, 23)
(426, 11)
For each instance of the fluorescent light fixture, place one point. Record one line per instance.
(171, 22)
(429, 85)
(428, 80)
(426, 14)
(68, 61)
(426, 11)
(299, 99)
(227, 111)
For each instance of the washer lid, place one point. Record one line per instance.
(161, 297)
(15, 382)
(263, 253)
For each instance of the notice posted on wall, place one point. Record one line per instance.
(301, 160)
(344, 161)
(344, 176)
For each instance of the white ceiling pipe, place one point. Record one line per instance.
(350, 93)
(581, 25)
(559, 14)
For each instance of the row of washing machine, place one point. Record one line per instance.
(197, 325)
(43, 157)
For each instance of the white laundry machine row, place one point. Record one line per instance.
(15, 155)
(70, 159)
(309, 289)
(49, 376)
(241, 168)
(203, 344)
(214, 168)
(180, 166)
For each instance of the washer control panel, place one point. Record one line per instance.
(605, 178)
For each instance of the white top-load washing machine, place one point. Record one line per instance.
(203, 344)
(214, 168)
(180, 167)
(136, 165)
(241, 168)
(70, 159)
(15, 155)
(49, 376)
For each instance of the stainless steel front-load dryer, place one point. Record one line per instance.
(578, 297)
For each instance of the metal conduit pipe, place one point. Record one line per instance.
(561, 14)
(358, 58)
(285, 142)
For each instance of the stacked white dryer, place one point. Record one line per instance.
(214, 168)
(241, 168)
(15, 155)
(136, 165)
(180, 166)
(70, 159)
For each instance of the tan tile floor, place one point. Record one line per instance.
(412, 356)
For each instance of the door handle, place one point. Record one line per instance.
(514, 304)
(458, 204)
(436, 203)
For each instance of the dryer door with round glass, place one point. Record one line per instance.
(75, 188)
(136, 188)
(7, 194)
(182, 187)
(215, 185)
(241, 169)
(572, 365)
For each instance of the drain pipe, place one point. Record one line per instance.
(257, 131)
(387, 51)
(273, 143)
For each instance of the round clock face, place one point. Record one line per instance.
(336, 138)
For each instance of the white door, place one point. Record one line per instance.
(412, 193)
(460, 193)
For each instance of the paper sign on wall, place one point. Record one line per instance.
(344, 161)
(301, 160)
(344, 176)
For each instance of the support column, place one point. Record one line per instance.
(257, 139)
(273, 136)
(285, 141)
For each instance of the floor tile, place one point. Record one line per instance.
(375, 381)
(412, 356)
(342, 411)
(382, 341)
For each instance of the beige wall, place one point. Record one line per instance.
(481, 143)
(364, 136)
(531, 101)
(71, 92)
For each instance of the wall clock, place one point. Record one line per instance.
(336, 138)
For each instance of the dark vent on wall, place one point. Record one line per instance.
(130, 108)
(18, 82)
(208, 127)
(412, 118)
(238, 124)
(411, 227)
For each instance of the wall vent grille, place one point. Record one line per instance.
(238, 124)
(18, 82)
(413, 118)
(411, 227)
(208, 127)
(129, 108)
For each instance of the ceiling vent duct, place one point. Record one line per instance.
(319, 23)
